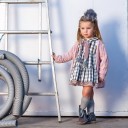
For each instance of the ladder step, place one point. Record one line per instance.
(22, 1)
(41, 94)
(33, 94)
(3, 93)
(36, 62)
(24, 31)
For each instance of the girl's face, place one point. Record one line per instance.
(86, 29)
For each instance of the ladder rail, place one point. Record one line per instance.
(6, 26)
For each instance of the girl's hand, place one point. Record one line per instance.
(53, 55)
(101, 83)
(101, 80)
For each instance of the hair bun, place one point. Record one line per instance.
(90, 14)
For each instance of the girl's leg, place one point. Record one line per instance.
(87, 91)
(86, 95)
(90, 109)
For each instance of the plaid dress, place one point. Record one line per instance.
(84, 70)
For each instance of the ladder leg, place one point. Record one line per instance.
(56, 93)
(52, 64)
(40, 42)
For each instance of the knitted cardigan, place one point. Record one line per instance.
(101, 58)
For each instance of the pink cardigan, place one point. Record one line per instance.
(101, 58)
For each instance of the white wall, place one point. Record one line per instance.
(64, 17)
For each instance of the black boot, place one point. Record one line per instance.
(82, 116)
(91, 117)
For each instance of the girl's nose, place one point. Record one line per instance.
(86, 30)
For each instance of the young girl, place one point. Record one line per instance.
(89, 65)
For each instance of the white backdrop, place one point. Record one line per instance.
(64, 17)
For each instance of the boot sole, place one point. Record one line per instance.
(82, 123)
(92, 122)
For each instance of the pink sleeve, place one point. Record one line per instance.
(103, 61)
(67, 56)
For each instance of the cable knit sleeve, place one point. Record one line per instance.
(67, 56)
(103, 61)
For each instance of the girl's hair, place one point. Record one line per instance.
(90, 16)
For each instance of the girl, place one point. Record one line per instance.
(89, 65)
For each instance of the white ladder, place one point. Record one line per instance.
(39, 32)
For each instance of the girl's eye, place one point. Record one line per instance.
(85, 28)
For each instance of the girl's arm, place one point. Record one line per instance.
(103, 62)
(66, 57)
